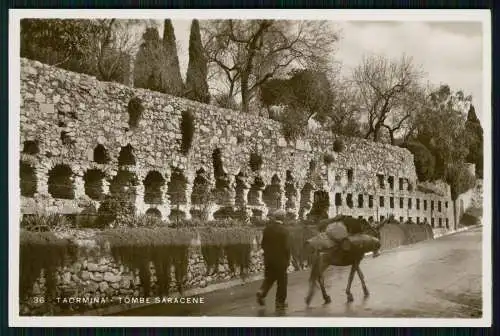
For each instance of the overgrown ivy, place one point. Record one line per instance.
(187, 129)
(165, 247)
(42, 251)
(135, 110)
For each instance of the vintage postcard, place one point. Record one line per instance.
(250, 168)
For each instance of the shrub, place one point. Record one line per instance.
(116, 211)
(468, 219)
(42, 251)
(187, 129)
(328, 158)
(338, 145)
(135, 110)
(255, 162)
(45, 223)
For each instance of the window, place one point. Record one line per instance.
(446, 204)
(381, 201)
(418, 203)
(410, 187)
(370, 201)
(401, 219)
(382, 218)
(447, 223)
(432, 222)
(410, 219)
(349, 200)
(360, 217)
(370, 219)
(432, 205)
(360, 200)
(391, 182)
(338, 199)
(439, 206)
(440, 222)
(401, 183)
(381, 182)
(391, 202)
(409, 203)
(401, 202)
(350, 174)
(425, 205)
(418, 220)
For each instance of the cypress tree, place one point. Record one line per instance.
(172, 80)
(147, 67)
(196, 78)
(475, 134)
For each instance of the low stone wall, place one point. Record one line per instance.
(394, 234)
(96, 280)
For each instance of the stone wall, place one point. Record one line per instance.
(77, 144)
(99, 278)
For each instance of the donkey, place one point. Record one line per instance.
(342, 255)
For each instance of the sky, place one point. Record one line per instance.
(448, 52)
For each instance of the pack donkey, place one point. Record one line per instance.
(343, 253)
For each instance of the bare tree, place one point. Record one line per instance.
(386, 89)
(250, 52)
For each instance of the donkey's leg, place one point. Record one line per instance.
(349, 283)
(321, 280)
(362, 278)
(313, 278)
(326, 297)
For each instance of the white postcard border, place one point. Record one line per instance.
(15, 320)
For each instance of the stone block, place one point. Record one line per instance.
(46, 109)
(103, 286)
(92, 267)
(110, 277)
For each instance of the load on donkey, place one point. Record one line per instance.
(342, 241)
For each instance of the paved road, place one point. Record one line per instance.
(437, 278)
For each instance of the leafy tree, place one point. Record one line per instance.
(196, 79)
(248, 53)
(59, 42)
(171, 71)
(307, 90)
(98, 47)
(474, 132)
(440, 127)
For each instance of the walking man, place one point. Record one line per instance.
(276, 246)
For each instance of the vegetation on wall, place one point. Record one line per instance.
(165, 247)
(135, 110)
(255, 161)
(338, 145)
(187, 130)
(44, 222)
(115, 209)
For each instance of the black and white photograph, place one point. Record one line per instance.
(250, 168)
